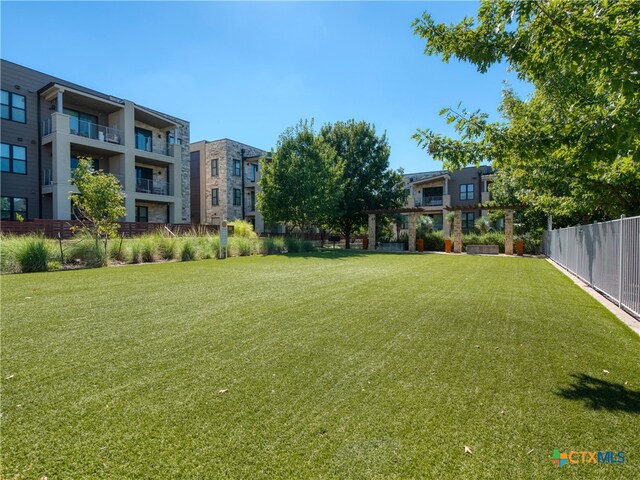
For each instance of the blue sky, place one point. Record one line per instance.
(247, 71)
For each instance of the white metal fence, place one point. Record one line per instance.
(605, 255)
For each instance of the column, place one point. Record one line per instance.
(59, 102)
(412, 232)
(508, 232)
(372, 231)
(61, 167)
(457, 232)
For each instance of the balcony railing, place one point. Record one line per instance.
(86, 129)
(47, 177)
(165, 149)
(156, 187)
(429, 201)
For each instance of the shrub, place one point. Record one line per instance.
(188, 251)
(32, 254)
(8, 246)
(149, 250)
(136, 251)
(295, 245)
(244, 229)
(86, 252)
(118, 250)
(434, 241)
(239, 246)
(273, 245)
(167, 247)
(491, 238)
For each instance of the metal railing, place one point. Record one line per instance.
(160, 148)
(86, 129)
(605, 255)
(429, 201)
(144, 185)
(47, 177)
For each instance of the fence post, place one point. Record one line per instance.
(620, 262)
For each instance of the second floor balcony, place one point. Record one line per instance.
(429, 201)
(155, 187)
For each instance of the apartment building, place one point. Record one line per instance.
(48, 123)
(224, 183)
(441, 191)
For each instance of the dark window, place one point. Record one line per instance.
(214, 167)
(404, 222)
(252, 200)
(215, 199)
(82, 124)
(467, 221)
(144, 139)
(437, 221)
(14, 107)
(14, 158)
(144, 180)
(431, 196)
(12, 207)
(237, 196)
(74, 163)
(236, 168)
(253, 173)
(142, 214)
(466, 191)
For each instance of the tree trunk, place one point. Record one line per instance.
(323, 232)
(347, 236)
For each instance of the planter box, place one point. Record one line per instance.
(483, 249)
(391, 247)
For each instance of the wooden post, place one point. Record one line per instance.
(372, 231)
(412, 232)
(508, 232)
(457, 232)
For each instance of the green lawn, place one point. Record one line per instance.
(333, 365)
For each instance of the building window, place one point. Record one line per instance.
(253, 173)
(214, 167)
(82, 124)
(93, 162)
(468, 219)
(14, 107)
(144, 139)
(12, 207)
(236, 168)
(14, 159)
(142, 214)
(215, 198)
(237, 196)
(466, 191)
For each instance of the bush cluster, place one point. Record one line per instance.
(34, 253)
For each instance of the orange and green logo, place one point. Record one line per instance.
(559, 458)
(582, 456)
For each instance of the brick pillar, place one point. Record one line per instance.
(412, 232)
(372, 231)
(457, 232)
(508, 232)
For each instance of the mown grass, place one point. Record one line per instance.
(316, 365)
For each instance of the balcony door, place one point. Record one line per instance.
(144, 180)
(432, 196)
(144, 139)
(82, 124)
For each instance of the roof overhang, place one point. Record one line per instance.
(76, 96)
(430, 179)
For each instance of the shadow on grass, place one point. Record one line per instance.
(339, 254)
(599, 394)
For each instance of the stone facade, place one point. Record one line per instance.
(226, 152)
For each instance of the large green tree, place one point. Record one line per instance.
(573, 147)
(367, 181)
(300, 184)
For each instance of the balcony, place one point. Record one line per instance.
(429, 201)
(91, 134)
(155, 187)
(164, 149)
(47, 177)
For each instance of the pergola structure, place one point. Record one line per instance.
(457, 224)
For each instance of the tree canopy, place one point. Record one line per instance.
(300, 184)
(329, 179)
(572, 148)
